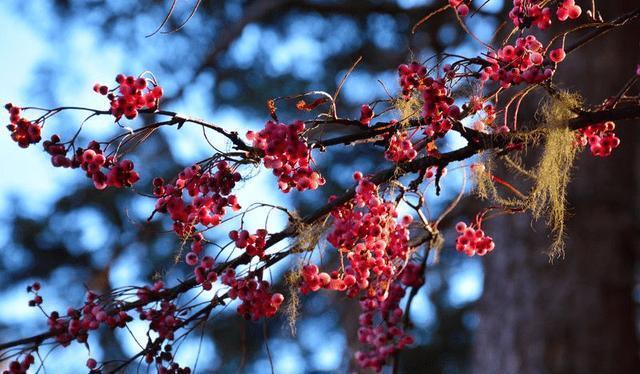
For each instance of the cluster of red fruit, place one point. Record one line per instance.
(438, 105)
(400, 149)
(210, 193)
(254, 245)
(121, 174)
(600, 138)
(412, 275)
(37, 299)
(23, 131)
(78, 322)
(486, 119)
(288, 154)
(163, 320)
(515, 64)
(412, 77)
(133, 94)
(146, 293)
(526, 13)
(204, 273)
(164, 357)
(461, 6)
(257, 299)
(313, 280)
(473, 241)
(568, 10)
(376, 245)
(20, 366)
(58, 153)
(93, 161)
(384, 337)
(372, 238)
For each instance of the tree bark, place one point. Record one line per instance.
(576, 315)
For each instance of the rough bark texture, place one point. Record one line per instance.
(576, 315)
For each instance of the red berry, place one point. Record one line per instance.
(557, 55)
(157, 92)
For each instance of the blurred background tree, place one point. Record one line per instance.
(579, 314)
(224, 64)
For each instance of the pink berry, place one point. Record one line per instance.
(557, 55)
(92, 364)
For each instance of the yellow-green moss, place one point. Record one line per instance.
(548, 196)
(293, 300)
(410, 109)
(551, 176)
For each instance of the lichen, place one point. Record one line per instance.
(410, 109)
(293, 300)
(548, 195)
(553, 172)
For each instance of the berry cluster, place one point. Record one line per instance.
(37, 299)
(287, 154)
(164, 357)
(412, 275)
(210, 193)
(20, 366)
(376, 246)
(438, 105)
(23, 131)
(600, 138)
(257, 299)
(412, 77)
(515, 64)
(173, 368)
(487, 115)
(386, 337)
(146, 293)
(254, 244)
(58, 152)
(473, 241)
(400, 149)
(93, 161)
(204, 273)
(568, 9)
(120, 174)
(461, 6)
(375, 243)
(526, 13)
(164, 320)
(78, 322)
(437, 102)
(313, 280)
(132, 95)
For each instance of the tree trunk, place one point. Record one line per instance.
(576, 315)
